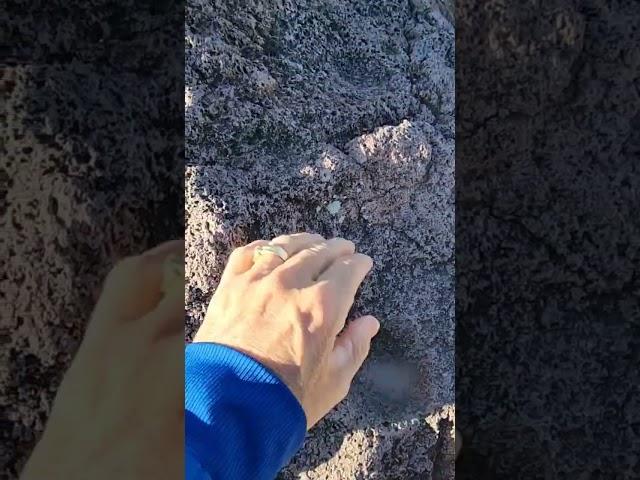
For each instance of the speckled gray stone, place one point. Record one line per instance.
(337, 117)
(548, 293)
(91, 171)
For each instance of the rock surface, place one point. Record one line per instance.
(91, 171)
(548, 292)
(337, 117)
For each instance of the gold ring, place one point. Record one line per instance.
(273, 250)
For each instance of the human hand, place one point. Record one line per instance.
(289, 314)
(119, 410)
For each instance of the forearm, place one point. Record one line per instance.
(241, 421)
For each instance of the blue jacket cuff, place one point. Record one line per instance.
(241, 420)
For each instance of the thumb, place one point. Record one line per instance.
(352, 346)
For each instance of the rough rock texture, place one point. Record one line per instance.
(91, 171)
(548, 337)
(337, 117)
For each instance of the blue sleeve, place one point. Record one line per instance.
(241, 421)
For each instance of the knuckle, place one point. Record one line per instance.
(326, 294)
(321, 296)
(318, 309)
(127, 267)
(237, 252)
(320, 245)
(278, 274)
(277, 280)
(313, 251)
(319, 316)
(280, 239)
(344, 243)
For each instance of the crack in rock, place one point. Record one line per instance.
(301, 116)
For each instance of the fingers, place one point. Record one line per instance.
(172, 247)
(241, 259)
(135, 285)
(339, 284)
(292, 244)
(311, 262)
(352, 347)
(168, 315)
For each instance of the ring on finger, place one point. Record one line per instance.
(276, 250)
